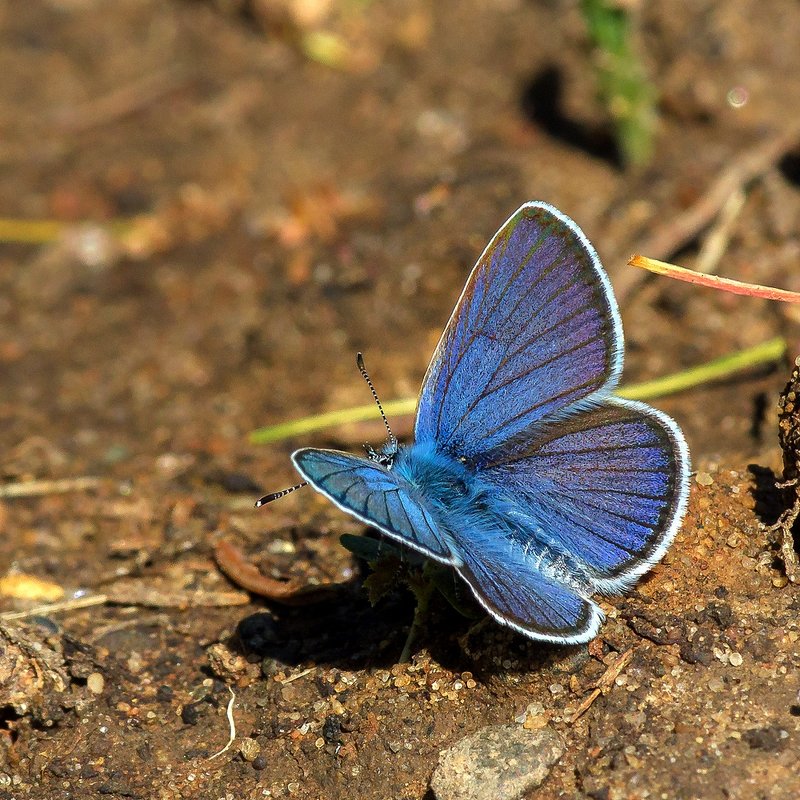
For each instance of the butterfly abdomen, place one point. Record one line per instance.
(474, 510)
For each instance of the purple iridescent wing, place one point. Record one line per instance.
(376, 496)
(607, 487)
(510, 586)
(536, 331)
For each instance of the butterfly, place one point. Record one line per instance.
(526, 474)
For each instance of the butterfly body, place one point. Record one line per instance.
(526, 474)
(470, 511)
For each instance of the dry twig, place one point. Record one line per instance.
(745, 168)
(605, 684)
(122, 101)
(231, 724)
(295, 677)
(238, 569)
(44, 487)
(52, 608)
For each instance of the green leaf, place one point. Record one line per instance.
(387, 575)
(454, 590)
(368, 549)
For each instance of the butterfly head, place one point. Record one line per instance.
(384, 455)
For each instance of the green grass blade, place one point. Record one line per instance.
(724, 367)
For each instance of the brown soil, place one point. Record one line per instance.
(287, 214)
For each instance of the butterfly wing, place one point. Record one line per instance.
(535, 331)
(607, 486)
(376, 496)
(520, 388)
(516, 593)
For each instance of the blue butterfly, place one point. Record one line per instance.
(526, 474)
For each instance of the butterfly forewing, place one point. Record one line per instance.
(373, 494)
(535, 331)
(607, 486)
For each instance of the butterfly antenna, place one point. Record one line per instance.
(268, 498)
(363, 370)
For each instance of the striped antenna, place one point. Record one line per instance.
(363, 370)
(268, 498)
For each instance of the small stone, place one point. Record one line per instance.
(134, 663)
(250, 749)
(535, 723)
(259, 634)
(499, 761)
(164, 694)
(772, 738)
(735, 659)
(336, 707)
(225, 663)
(281, 547)
(95, 683)
(533, 717)
(190, 713)
(332, 728)
(696, 653)
(704, 479)
(733, 540)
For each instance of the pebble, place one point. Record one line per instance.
(733, 540)
(704, 479)
(250, 749)
(260, 761)
(95, 683)
(499, 761)
(534, 717)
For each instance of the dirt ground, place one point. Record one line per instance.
(235, 197)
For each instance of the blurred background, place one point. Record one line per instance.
(208, 206)
(218, 203)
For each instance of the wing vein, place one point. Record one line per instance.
(479, 328)
(563, 393)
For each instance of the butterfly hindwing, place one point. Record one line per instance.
(375, 495)
(536, 330)
(608, 486)
(516, 593)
